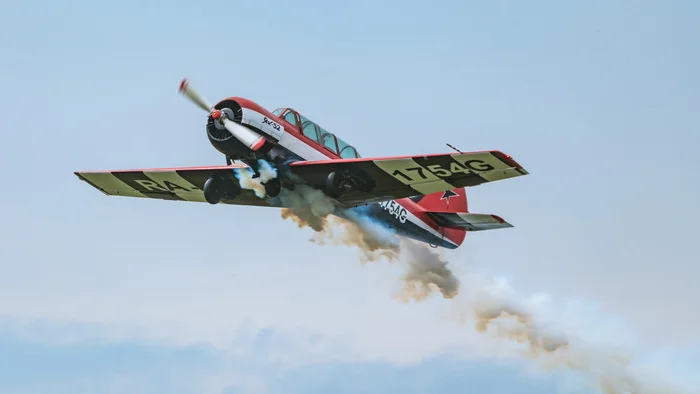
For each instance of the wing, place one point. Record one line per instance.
(381, 179)
(179, 184)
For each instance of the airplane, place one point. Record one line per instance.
(422, 197)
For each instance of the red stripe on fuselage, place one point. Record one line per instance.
(288, 127)
(454, 235)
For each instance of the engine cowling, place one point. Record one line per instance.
(246, 114)
(222, 139)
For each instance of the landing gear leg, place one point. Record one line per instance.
(253, 164)
(273, 187)
(228, 161)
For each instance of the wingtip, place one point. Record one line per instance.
(510, 161)
(498, 218)
(502, 221)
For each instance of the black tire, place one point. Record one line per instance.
(273, 187)
(335, 184)
(212, 190)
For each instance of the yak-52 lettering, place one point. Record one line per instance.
(272, 123)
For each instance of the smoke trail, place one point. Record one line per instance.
(425, 270)
(267, 171)
(371, 240)
(490, 305)
(247, 182)
(496, 310)
(306, 206)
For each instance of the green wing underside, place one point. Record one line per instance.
(383, 178)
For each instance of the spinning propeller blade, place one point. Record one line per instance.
(194, 96)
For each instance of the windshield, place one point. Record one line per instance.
(318, 134)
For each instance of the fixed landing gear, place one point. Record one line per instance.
(335, 184)
(341, 181)
(253, 165)
(217, 189)
(273, 187)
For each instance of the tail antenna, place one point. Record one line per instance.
(454, 148)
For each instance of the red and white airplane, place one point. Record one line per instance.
(420, 197)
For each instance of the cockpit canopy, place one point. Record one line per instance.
(318, 134)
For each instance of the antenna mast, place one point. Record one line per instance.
(454, 148)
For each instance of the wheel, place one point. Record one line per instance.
(212, 190)
(335, 184)
(217, 188)
(273, 187)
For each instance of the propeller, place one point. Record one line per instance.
(248, 137)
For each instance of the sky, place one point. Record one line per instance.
(597, 100)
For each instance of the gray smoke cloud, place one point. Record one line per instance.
(488, 304)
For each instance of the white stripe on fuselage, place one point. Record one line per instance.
(301, 148)
(415, 220)
(306, 152)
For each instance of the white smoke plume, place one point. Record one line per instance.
(496, 310)
(489, 305)
(247, 182)
(306, 206)
(425, 271)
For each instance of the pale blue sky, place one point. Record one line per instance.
(598, 100)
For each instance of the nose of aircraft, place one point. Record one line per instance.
(246, 136)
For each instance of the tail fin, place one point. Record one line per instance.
(452, 201)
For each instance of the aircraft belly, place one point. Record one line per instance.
(403, 223)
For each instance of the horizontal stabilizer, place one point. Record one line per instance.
(469, 221)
